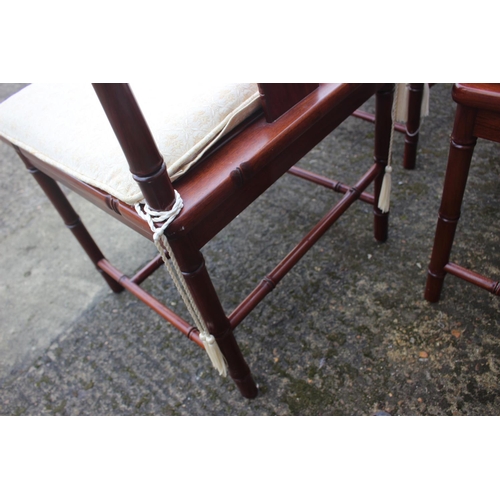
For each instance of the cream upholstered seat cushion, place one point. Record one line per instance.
(65, 126)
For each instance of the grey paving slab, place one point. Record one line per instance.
(46, 280)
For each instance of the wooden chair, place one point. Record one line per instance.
(411, 126)
(477, 116)
(285, 122)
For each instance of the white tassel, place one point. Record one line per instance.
(214, 353)
(400, 114)
(404, 100)
(402, 97)
(384, 200)
(161, 242)
(424, 110)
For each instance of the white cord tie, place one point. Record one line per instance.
(153, 217)
(384, 200)
(400, 114)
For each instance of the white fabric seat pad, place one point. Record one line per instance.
(65, 126)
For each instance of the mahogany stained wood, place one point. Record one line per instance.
(269, 283)
(370, 117)
(477, 116)
(410, 128)
(145, 161)
(416, 93)
(71, 220)
(328, 183)
(147, 270)
(229, 184)
(226, 181)
(277, 98)
(151, 301)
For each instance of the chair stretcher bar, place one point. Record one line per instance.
(277, 274)
(189, 331)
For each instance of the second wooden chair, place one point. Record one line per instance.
(477, 116)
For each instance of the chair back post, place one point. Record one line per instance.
(145, 161)
(278, 98)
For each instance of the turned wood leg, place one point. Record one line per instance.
(383, 124)
(413, 125)
(71, 220)
(192, 265)
(457, 170)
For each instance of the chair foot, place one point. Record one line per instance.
(381, 226)
(410, 153)
(433, 287)
(247, 386)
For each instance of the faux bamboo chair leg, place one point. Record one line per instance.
(148, 169)
(192, 265)
(410, 128)
(71, 220)
(416, 93)
(383, 103)
(459, 160)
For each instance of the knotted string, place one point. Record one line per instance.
(384, 200)
(399, 114)
(153, 217)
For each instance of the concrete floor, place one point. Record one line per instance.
(346, 333)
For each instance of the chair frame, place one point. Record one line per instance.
(477, 116)
(237, 170)
(412, 126)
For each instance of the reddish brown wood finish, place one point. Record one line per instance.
(478, 95)
(410, 129)
(232, 178)
(477, 116)
(383, 124)
(328, 183)
(416, 93)
(224, 183)
(277, 98)
(147, 270)
(193, 268)
(269, 283)
(181, 325)
(119, 210)
(370, 117)
(71, 219)
(137, 143)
